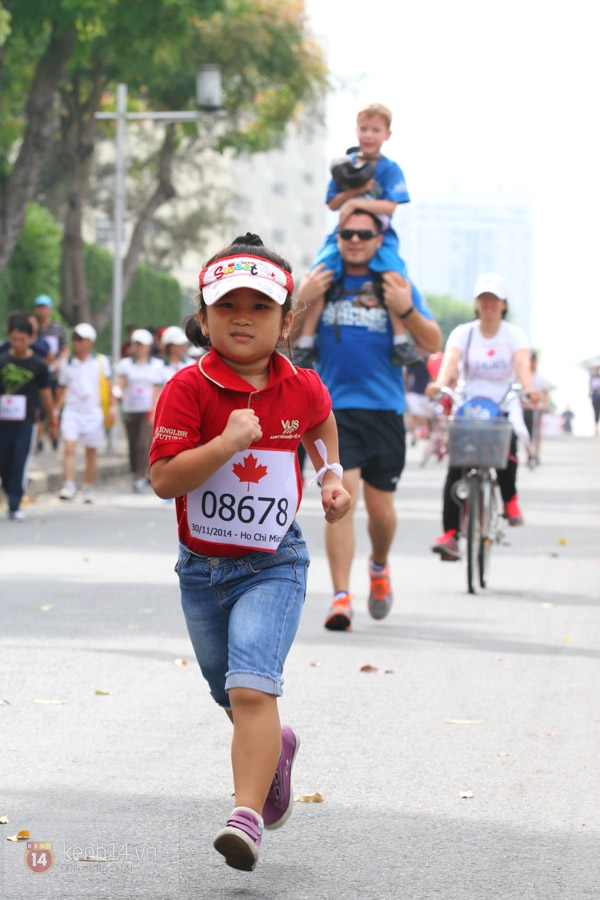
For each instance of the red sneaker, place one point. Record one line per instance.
(447, 546)
(513, 512)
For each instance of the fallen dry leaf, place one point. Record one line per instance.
(375, 671)
(567, 640)
(101, 693)
(463, 721)
(46, 607)
(466, 795)
(49, 702)
(88, 858)
(315, 663)
(563, 542)
(4, 702)
(504, 754)
(19, 836)
(180, 662)
(310, 798)
(3, 820)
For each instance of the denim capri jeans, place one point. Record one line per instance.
(243, 612)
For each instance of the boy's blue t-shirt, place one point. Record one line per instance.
(355, 342)
(389, 185)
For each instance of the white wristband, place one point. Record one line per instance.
(335, 467)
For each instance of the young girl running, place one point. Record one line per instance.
(225, 438)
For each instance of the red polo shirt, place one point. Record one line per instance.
(195, 404)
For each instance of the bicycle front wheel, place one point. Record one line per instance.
(473, 531)
(485, 544)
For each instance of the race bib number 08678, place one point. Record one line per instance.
(249, 502)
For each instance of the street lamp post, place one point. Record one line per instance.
(208, 97)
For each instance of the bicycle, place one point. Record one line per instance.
(479, 439)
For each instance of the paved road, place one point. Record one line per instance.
(495, 694)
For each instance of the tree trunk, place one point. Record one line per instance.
(163, 192)
(78, 134)
(37, 141)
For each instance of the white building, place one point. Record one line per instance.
(451, 239)
(279, 195)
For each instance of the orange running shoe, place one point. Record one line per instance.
(339, 617)
(380, 597)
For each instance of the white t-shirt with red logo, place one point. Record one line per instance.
(487, 364)
(251, 501)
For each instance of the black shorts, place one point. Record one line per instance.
(374, 441)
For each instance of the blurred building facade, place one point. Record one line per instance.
(450, 239)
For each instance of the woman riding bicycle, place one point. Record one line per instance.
(487, 355)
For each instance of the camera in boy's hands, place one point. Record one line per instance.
(349, 174)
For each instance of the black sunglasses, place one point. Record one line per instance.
(363, 234)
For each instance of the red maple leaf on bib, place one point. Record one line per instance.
(249, 471)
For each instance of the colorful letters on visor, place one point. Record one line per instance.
(254, 272)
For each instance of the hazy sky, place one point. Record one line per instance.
(491, 97)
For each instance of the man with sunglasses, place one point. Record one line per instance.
(82, 383)
(355, 339)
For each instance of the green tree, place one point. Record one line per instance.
(448, 312)
(34, 264)
(96, 41)
(272, 69)
(42, 37)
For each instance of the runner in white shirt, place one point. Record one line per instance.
(174, 346)
(79, 401)
(533, 412)
(139, 382)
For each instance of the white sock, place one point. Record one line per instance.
(306, 340)
(400, 339)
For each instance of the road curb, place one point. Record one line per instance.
(50, 481)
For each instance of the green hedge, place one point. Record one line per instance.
(154, 298)
(34, 266)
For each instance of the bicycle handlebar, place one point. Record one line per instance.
(515, 390)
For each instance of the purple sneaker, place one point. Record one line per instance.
(280, 799)
(239, 841)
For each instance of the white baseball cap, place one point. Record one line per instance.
(141, 336)
(232, 272)
(490, 284)
(174, 335)
(85, 331)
